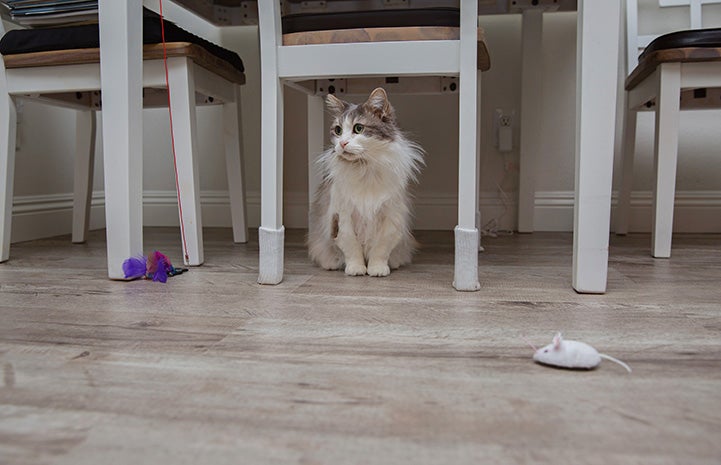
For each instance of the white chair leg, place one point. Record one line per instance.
(271, 235)
(8, 119)
(182, 104)
(466, 234)
(235, 166)
(83, 179)
(665, 157)
(623, 209)
(316, 134)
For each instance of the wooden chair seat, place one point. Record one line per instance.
(388, 34)
(195, 52)
(79, 44)
(690, 46)
(437, 21)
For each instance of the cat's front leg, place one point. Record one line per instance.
(387, 237)
(378, 268)
(347, 242)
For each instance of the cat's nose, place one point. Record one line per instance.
(343, 143)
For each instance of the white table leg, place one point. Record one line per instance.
(597, 66)
(83, 178)
(479, 220)
(531, 116)
(316, 131)
(235, 165)
(628, 141)
(121, 81)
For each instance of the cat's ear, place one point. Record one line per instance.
(335, 105)
(378, 103)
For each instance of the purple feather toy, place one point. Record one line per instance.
(134, 267)
(156, 267)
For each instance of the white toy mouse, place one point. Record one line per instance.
(571, 354)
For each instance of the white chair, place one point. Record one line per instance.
(327, 55)
(674, 73)
(71, 78)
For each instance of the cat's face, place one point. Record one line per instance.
(359, 132)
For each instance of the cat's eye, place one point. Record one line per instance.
(358, 128)
(337, 130)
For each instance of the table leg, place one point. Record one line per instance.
(532, 117)
(597, 67)
(121, 81)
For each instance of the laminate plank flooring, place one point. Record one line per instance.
(212, 368)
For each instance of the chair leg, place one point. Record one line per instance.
(182, 103)
(271, 234)
(479, 219)
(83, 180)
(465, 277)
(315, 146)
(623, 209)
(235, 166)
(665, 157)
(8, 120)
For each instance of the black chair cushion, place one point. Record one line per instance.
(449, 17)
(88, 36)
(700, 38)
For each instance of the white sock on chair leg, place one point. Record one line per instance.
(465, 276)
(271, 242)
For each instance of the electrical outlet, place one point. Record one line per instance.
(504, 119)
(503, 130)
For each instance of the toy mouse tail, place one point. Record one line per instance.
(615, 360)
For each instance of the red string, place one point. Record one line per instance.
(172, 132)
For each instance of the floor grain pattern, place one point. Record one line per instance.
(212, 368)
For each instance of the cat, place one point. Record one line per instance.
(360, 217)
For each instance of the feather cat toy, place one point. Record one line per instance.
(155, 266)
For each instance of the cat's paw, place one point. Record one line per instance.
(355, 269)
(378, 269)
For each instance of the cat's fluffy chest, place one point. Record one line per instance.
(364, 191)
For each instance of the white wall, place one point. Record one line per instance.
(44, 175)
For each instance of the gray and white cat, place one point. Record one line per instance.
(361, 213)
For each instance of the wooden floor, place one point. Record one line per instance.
(212, 368)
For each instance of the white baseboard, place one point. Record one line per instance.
(41, 216)
(694, 211)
